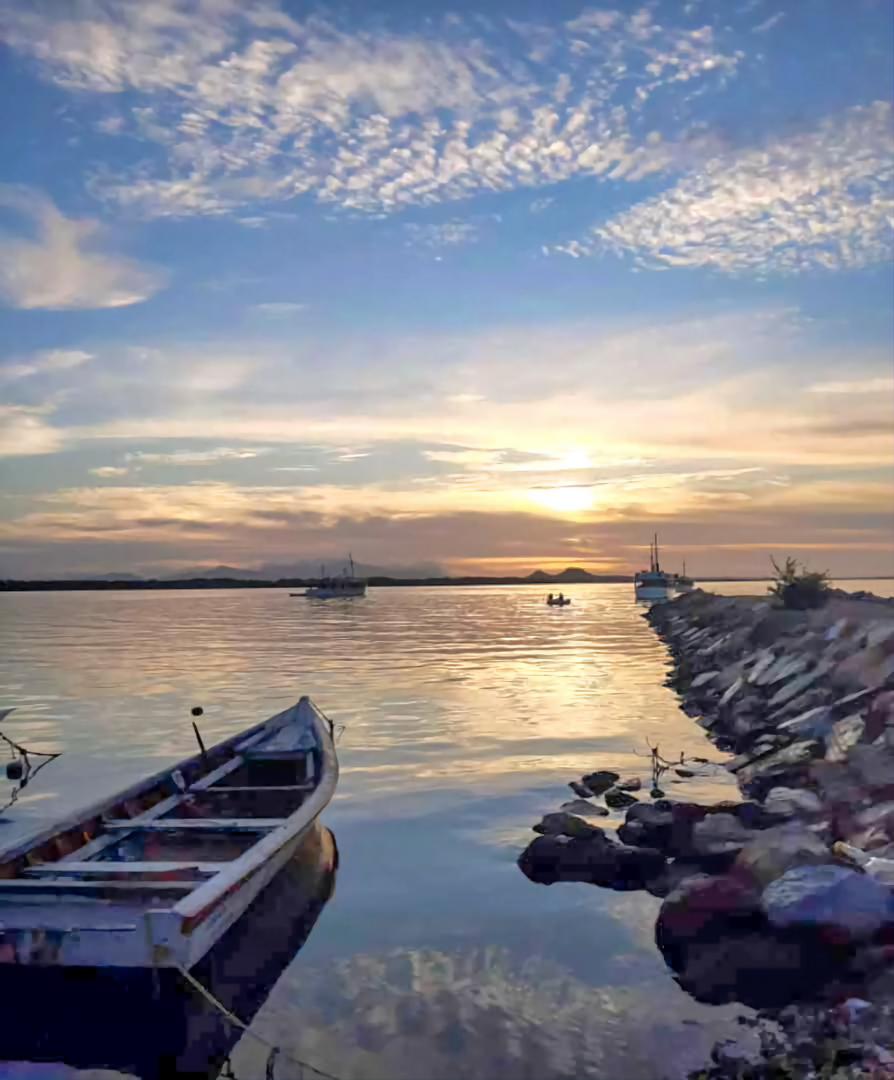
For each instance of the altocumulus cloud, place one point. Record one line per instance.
(822, 199)
(248, 104)
(58, 265)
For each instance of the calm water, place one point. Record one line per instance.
(465, 713)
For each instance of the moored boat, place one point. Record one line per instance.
(154, 876)
(682, 582)
(653, 584)
(343, 586)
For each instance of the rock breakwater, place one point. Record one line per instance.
(788, 895)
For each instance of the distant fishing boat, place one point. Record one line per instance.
(653, 584)
(153, 876)
(344, 586)
(558, 601)
(682, 582)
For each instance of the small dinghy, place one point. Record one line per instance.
(155, 875)
(557, 601)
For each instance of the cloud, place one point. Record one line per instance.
(60, 267)
(449, 234)
(110, 472)
(883, 384)
(46, 362)
(768, 23)
(23, 431)
(819, 200)
(249, 105)
(214, 456)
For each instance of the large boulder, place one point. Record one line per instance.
(703, 900)
(771, 852)
(834, 897)
(786, 802)
(719, 834)
(600, 781)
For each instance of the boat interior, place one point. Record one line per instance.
(181, 829)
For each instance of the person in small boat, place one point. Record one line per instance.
(549, 599)
(561, 598)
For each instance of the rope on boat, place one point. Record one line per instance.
(232, 1018)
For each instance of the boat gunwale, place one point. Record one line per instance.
(93, 813)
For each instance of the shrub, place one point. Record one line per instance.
(799, 588)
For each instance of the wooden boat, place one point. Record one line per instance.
(153, 876)
(150, 1022)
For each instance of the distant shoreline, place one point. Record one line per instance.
(88, 585)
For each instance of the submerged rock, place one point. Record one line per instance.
(549, 859)
(618, 799)
(600, 781)
(564, 824)
(581, 806)
(828, 896)
(634, 784)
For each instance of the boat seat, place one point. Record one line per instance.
(197, 824)
(261, 787)
(65, 885)
(93, 867)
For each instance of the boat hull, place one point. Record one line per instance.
(322, 593)
(60, 922)
(150, 1022)
(653, 593)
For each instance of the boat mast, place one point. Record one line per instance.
(657, 566)
(351, 561)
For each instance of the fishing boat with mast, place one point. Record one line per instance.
(344, 586)
(683, 583)
(653, 584)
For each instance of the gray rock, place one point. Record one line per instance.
(781, 761)
(618, 799)
(789, 802)
(797, 686)
(845, 734)
(828, 896)
(685, 773)
(874, 767)
(813, 724)
(765, 659)
(581, 806)
(719, 834)
(564, 824)
(600, 781)
(704, 679)
(784, 668)
(580, 789)
(772, 852)
(732, 691)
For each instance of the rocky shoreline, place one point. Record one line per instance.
(783, 901)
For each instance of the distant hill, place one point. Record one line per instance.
(303, 569)
(572, 575)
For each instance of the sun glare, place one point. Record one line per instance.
(564, 500)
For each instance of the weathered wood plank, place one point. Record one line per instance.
(63, 885)
(50, 869)
(260, 787)
(197, 824)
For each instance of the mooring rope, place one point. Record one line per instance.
(231, 1017)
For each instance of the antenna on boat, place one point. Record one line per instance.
(351, 561)
(197, 710)
(657, 566)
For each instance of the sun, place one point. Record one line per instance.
(564, 500)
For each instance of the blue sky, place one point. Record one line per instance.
(492, 287)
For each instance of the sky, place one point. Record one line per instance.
(483, 287)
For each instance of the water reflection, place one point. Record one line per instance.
(152, 1025)
(466, 713)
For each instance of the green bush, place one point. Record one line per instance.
(799, 588)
